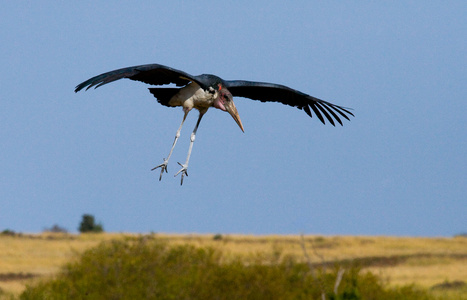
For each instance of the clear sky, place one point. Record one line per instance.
(398, 168)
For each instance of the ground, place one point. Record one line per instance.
(438, 264)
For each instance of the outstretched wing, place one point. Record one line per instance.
(152, 74)
(270, 92)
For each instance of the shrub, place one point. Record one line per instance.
(8, 232)
(56, 229)
(88, 225)
(146, 268)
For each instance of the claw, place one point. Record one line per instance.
(183, 170)
(163, 167)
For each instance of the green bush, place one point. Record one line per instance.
(8, 232)
(89, 225)
(145, 268)
(217, 237)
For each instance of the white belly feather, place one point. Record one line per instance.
(193, 96)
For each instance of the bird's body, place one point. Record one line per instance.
(192, 96)
(204, 91)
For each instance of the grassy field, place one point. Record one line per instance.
(426, 262)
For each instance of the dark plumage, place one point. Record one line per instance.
(155, 74)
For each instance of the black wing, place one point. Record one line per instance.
(152, 74)
(270, 92)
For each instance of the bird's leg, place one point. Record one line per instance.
(163, 166)
(184, 168)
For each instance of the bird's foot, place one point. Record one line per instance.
(183, 170)
(163, 167)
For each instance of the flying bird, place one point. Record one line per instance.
(206, 90)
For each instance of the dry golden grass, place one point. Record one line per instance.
(402, 260)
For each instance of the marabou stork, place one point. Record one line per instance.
(206, 90)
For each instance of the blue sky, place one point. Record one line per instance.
(398, 168)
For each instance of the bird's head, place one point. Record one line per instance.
(224, 101)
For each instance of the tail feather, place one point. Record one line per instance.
(163, 95)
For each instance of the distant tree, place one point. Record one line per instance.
(8, 232)
(88, 224)
(56, 229)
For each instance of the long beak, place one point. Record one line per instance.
(232, 110)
